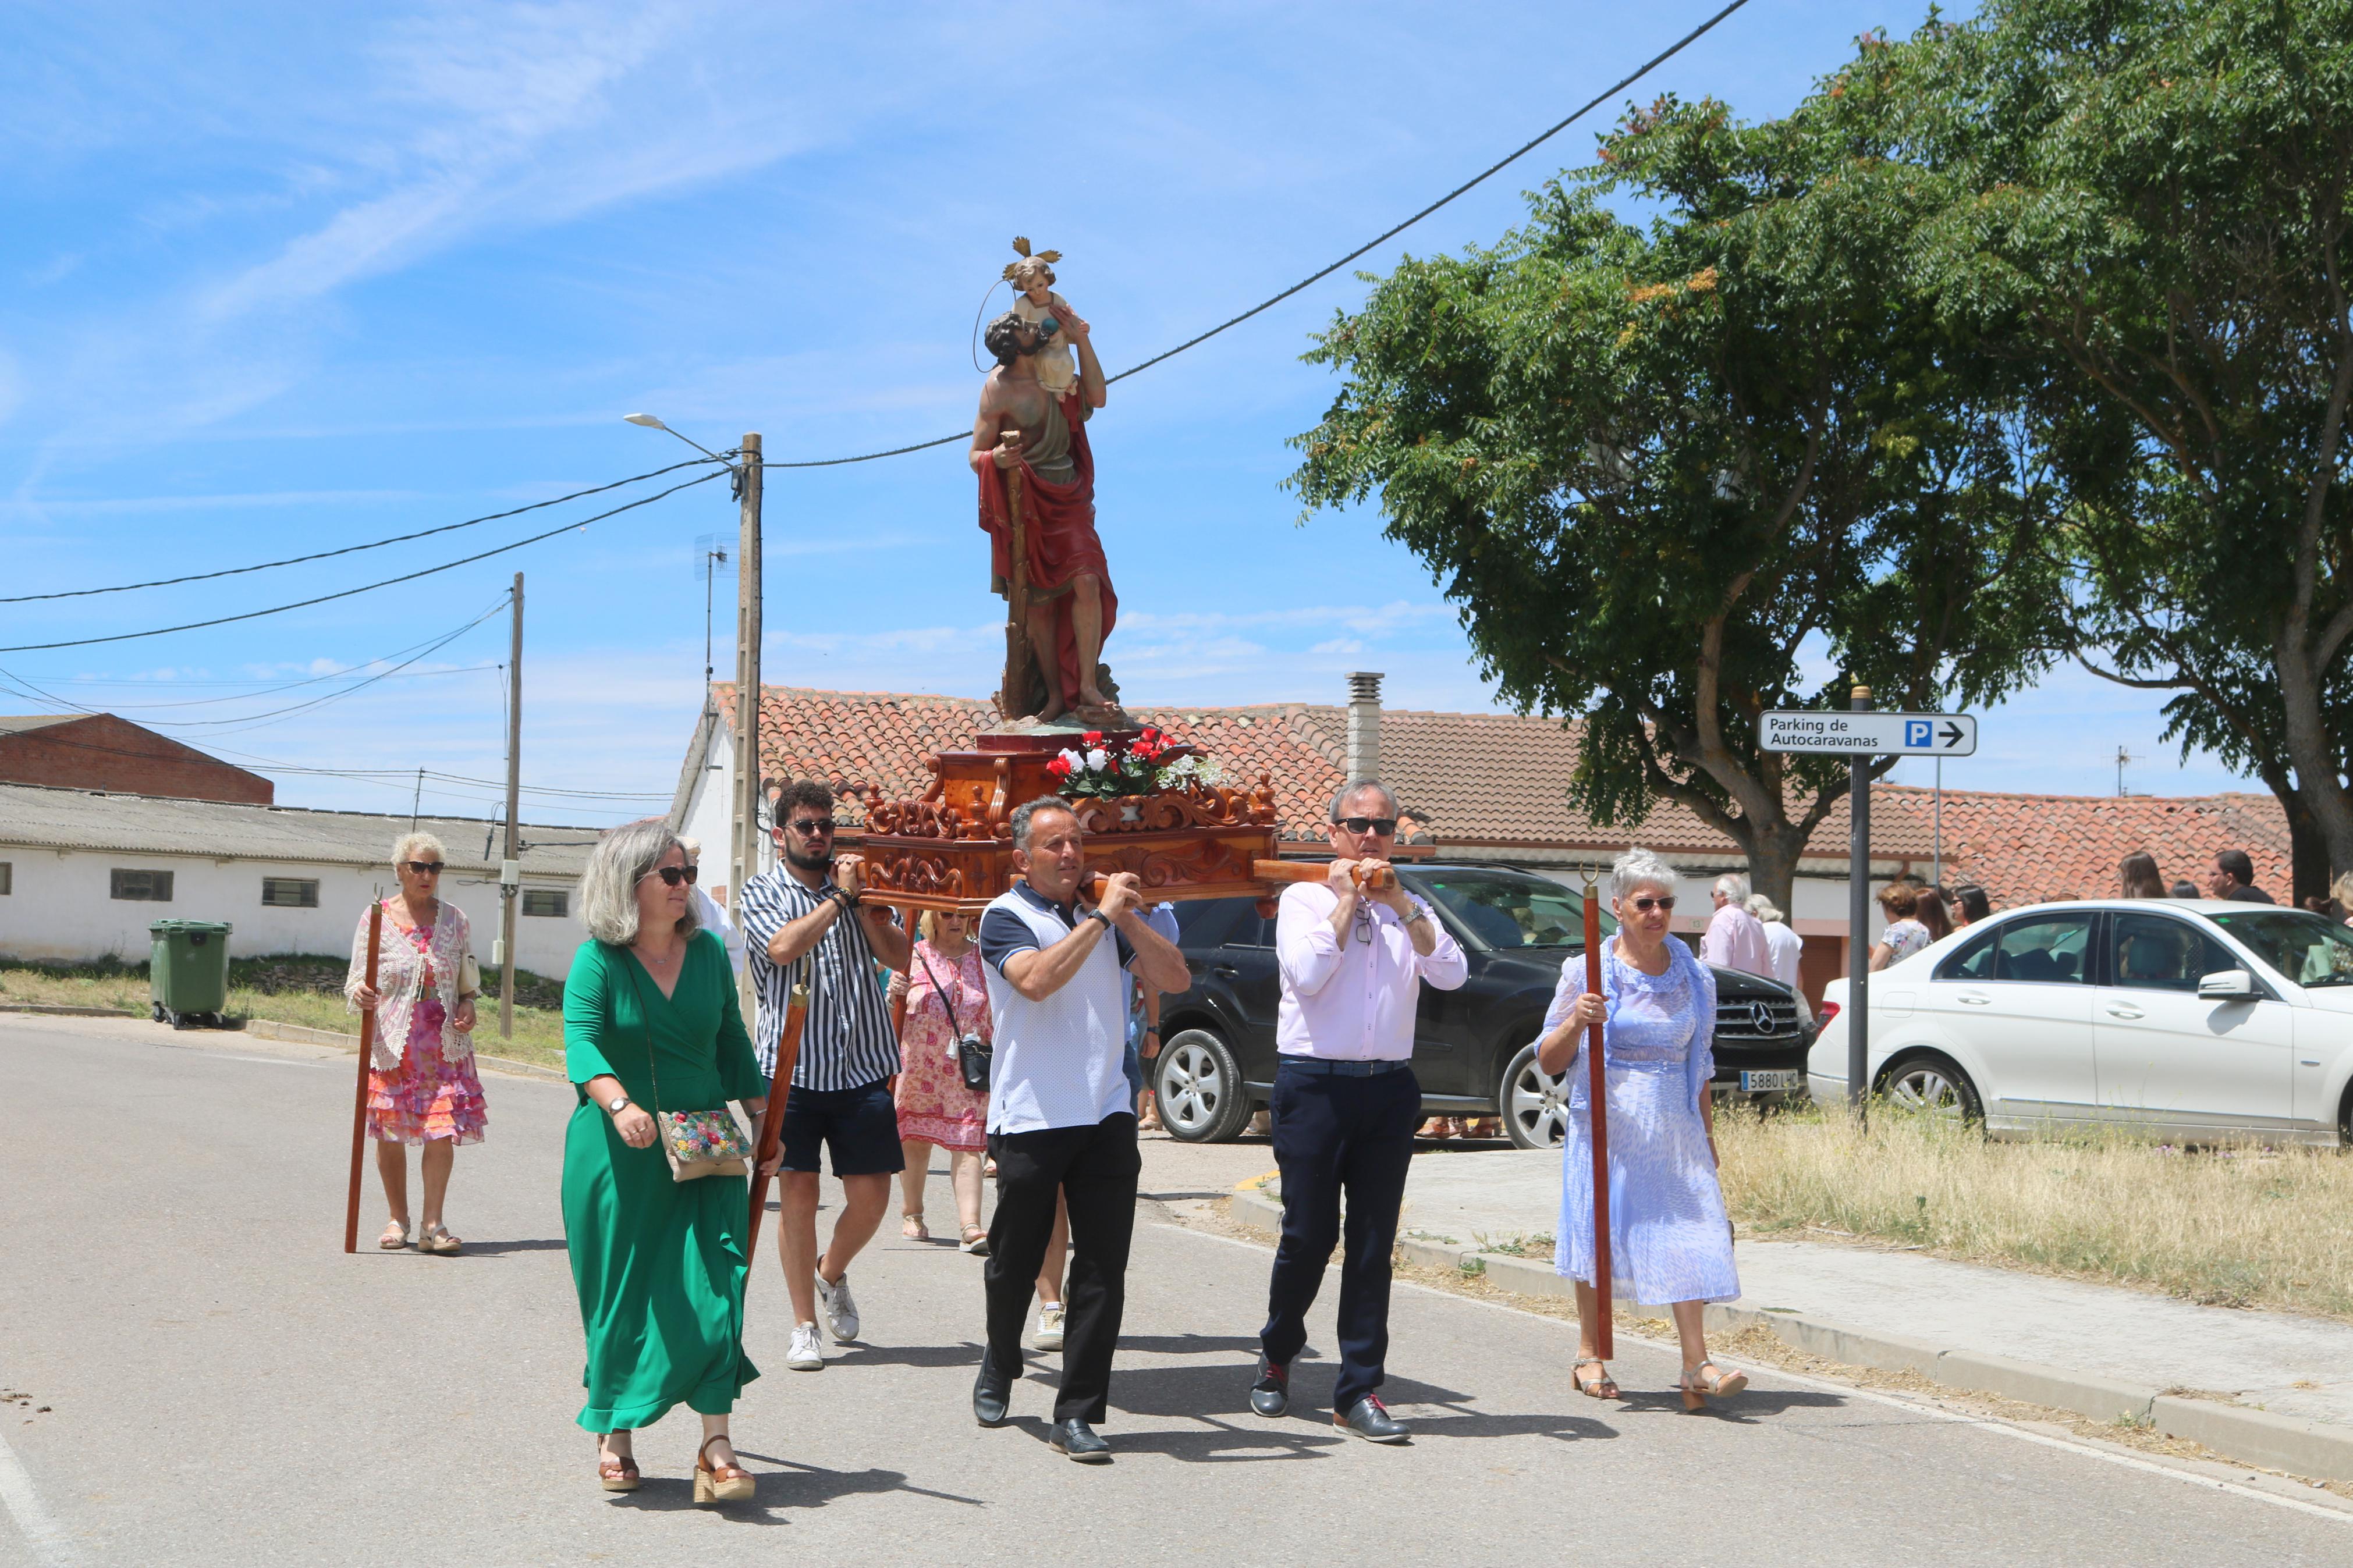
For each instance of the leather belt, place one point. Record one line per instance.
(1324, 1066)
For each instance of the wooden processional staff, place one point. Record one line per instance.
(359, 1095)
(772, 1120)
(1596, 1100)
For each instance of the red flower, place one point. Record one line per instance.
(1094, 737)
(1059, 767)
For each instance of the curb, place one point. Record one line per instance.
(67, 1010)
(302, 1034)
(2318, 1450)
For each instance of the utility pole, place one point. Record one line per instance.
(511, 866)
(746, 845)
(1858, 920)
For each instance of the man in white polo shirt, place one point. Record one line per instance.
(1347, 1102)
(1060, 1117)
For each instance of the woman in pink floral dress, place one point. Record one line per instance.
(943, 995)
(422, 1086)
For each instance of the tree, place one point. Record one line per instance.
(1660, 470)
(2151, 198)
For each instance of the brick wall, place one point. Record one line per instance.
(102, 752)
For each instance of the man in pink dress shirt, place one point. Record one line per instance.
(1347, 1103)
(1735, 938)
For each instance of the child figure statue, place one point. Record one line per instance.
(1035, 301)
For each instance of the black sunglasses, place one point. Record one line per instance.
(1647, 905)
(813, 825)
(673, 876)
(1384, 825)
(426, 867)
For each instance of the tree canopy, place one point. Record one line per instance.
(1678, 474)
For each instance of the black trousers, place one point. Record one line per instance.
(1336, 1137)
(1094, 1169)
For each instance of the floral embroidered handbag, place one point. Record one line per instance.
(696, 1142)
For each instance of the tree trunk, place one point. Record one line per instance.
(2309, 752)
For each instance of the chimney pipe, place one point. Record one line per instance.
(1365, 724)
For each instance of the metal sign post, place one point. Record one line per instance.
(1859, 735)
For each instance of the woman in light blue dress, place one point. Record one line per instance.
(1669, 1239)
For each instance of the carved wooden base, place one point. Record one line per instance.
(954, 848)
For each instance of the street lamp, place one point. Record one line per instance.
(651, 422)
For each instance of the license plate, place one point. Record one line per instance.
(1762, 1082)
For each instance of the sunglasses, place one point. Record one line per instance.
(673, 876)
(1384, 825)
(814, 826)
(1644, 906)
(424, 868)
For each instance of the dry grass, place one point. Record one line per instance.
(292, 989)
(2241, 1226)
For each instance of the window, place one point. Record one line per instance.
(289, 892)
(153, 887)
(2158, 953)
(7, 877)
(1505, 910)
(2048, 949)
(545, 901)
(2300, 944)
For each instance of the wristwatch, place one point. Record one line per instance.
(620, 1103)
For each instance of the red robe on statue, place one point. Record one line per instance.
(1060, 527)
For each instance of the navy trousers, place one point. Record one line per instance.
(1335, 1138)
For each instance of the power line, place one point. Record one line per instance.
(315, 703)
(1480, 178)
(354, 549)
(369, 587)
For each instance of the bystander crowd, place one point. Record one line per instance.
(1905, 935)
(1734, 938)
(2137, 876)
(2233, 877)
(1784, 948)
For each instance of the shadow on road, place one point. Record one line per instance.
(493, 1248)
(1221, 1445)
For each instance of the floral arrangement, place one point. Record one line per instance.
(1134, 766)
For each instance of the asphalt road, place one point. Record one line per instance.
(226, 1386)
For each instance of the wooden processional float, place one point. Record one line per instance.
(953, 849)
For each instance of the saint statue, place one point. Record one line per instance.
(1037, 501)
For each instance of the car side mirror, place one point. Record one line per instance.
(2228, 985)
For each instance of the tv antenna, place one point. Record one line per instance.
(2122, 757)
(710, 564)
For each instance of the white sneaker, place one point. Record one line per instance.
(1049, 1329)
(807, 1354)
(840, 1308)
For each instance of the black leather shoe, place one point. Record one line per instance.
(1271, 1395)
(992, 1393)
(1368, 1418)
(1076, 1440)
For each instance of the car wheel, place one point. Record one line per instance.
(2345, 1120)
(1926, 1082)
(1534, 1102)
(1199, 1085)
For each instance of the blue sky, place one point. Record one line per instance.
(298, 277)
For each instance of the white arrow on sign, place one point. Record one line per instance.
(1872, 734)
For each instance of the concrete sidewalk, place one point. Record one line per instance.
(2267, 1387)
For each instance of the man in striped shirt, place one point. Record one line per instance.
(805, 919)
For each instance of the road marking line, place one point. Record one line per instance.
(1984, 1423)
(49, 1542)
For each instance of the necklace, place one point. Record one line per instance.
(649, 961)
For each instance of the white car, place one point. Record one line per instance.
(2181, 1018)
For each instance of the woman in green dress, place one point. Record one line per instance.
(650, 1023)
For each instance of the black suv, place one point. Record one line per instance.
(1473, 1048)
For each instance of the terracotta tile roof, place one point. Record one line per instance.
(1488, 781)
(2024, 848)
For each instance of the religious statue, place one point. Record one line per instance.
(1037, 479)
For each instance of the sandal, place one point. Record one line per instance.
(1698, 1381)
(616, 1475)
(912, 1228)
(720, 1483)
(394, 1236)
(1600, 1386)
(439, 1242)
(976, 1240)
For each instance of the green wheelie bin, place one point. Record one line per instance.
(187, 971)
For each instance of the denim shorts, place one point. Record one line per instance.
(860, 1126)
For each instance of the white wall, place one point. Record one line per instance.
(60, 908)
(711, 818)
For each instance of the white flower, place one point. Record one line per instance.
(1097, 760)
(1073, 758)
